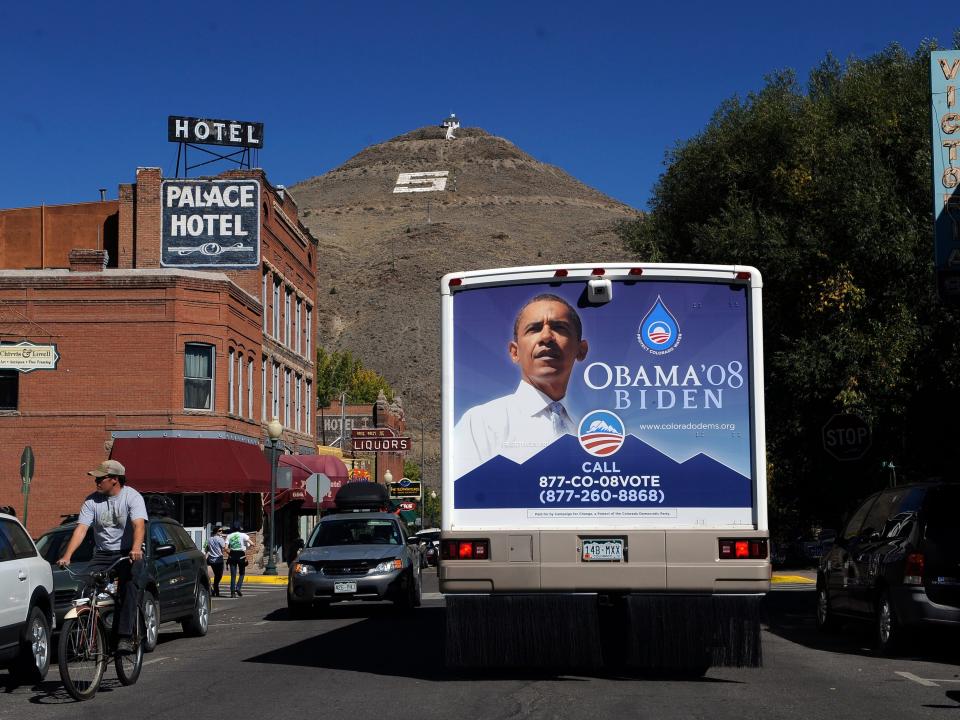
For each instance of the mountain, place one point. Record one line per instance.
(382, 253)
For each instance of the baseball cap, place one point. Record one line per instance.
(108, 467)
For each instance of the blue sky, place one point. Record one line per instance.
(602, 89)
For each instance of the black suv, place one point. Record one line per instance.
(896, 563)
(177, 587)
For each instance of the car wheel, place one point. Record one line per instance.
(196, 624)
(151, 621)
(410, 594)
(888, 633)
(826, 620)
(33, 659)
(298, 610)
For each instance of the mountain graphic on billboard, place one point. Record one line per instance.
(699, 481)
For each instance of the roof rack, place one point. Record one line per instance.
(359, 496)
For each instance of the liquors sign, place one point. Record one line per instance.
(210, 223)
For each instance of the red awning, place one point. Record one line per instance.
(305, 465)
(192, 465)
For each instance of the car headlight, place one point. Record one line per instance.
(386, 566)
(303, 569)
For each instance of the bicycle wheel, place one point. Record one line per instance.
(82, 654)
(128, 665)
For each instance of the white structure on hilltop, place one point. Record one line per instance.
(451, 124)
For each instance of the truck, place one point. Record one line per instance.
(603, 467)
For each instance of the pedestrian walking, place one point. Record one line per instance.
(237, 544)
(215, 549)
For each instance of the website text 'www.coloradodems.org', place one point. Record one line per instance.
(689, 426)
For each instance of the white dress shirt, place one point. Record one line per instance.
(517, 426)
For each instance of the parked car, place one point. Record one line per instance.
(896, 564)
(429, 540)
(177, 586)
(358, 553)
(26, 610)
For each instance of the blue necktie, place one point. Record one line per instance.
(556, 416)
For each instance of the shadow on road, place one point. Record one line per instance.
(792, 616)
(370, 646)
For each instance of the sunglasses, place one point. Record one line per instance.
(99, 480)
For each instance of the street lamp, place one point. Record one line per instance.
(274, 430)
(388, 476)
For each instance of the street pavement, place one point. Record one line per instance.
(371, 661)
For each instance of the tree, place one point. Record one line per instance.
(339, 372)
(826, 190)
(411, 470)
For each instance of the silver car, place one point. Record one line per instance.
(355, 556)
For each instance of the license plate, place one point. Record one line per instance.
(345, 587)
(602, 551)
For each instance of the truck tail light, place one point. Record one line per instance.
(743, 549)
(465, 550)
(913, 570)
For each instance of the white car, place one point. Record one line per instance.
(26, 607)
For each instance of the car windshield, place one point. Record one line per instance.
(52, 545)
(356, 532)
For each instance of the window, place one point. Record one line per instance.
(275, 400)
(52, 545)
(309, 331)
(286, 317)
(240, 384)
(9, 389)
(263, 388)
(276, 308)
(307, 403)
(20, 543)
(158, 535)
(266, 303)
(250, 388)
(297, 408)
(286, 398)
(852, 531)
(198, 376)
(230, 385)
(299, 327)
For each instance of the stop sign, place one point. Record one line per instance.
(846, 437)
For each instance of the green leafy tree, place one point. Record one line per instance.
(339, 372)
(411, 470)
(826, 190)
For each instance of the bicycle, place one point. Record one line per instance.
(88, 639)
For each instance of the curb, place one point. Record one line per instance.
(262, 580)
(778, 578)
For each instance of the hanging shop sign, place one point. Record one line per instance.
(26, 357)
(210, 223)
(944, 78)
(378, 440)
(205, 131)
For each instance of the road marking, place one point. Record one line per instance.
(918, 680)
(262, 622)
(155, 660)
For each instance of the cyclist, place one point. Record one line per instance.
(118, 517)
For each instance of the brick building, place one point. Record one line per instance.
(174, 372)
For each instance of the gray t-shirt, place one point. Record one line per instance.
(110, 518)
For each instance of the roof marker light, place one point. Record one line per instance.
(743, 275)
(560, 273)
(454, 282)
(636, 271)
(598, 271)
